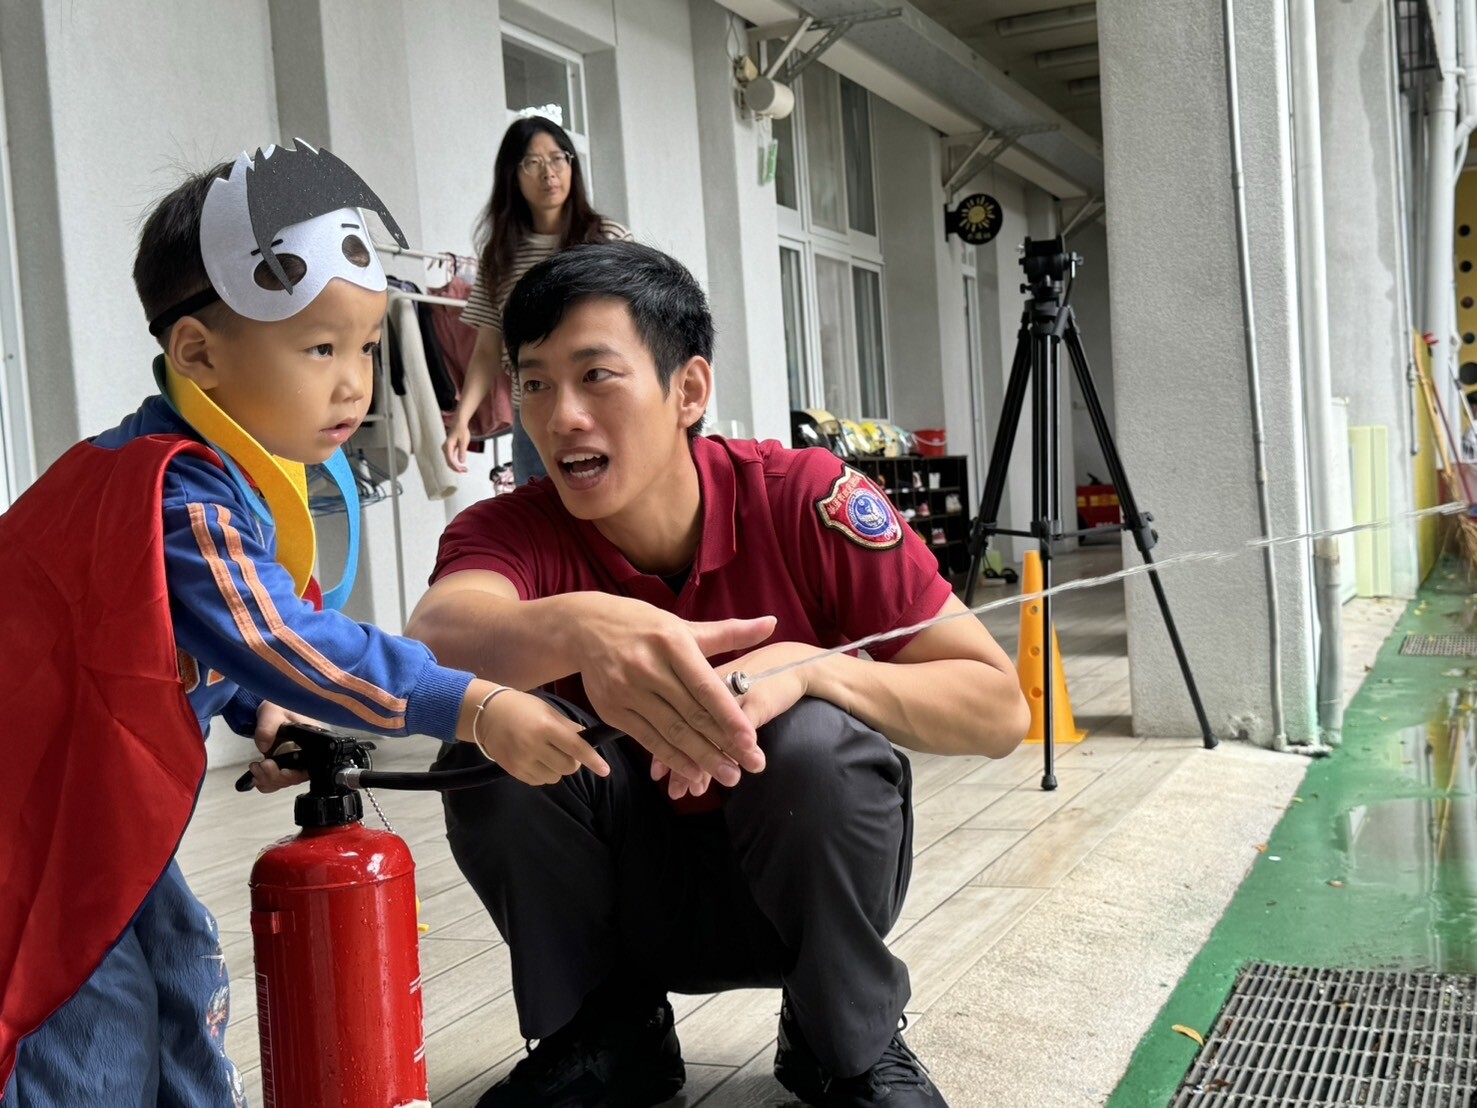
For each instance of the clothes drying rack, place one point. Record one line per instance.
(386, 417)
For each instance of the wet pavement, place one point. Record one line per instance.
(1374, 866)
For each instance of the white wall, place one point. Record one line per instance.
(1369, 332)
(115, 103)
(1091, 307)
(659, 129)
(1183, 413)
(924, 282)
(741, 241)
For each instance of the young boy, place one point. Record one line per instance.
(149, 589)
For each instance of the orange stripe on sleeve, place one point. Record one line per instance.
(300, 646)
(253, 637)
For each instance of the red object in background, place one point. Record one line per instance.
(339, 1005)
(932, 442)
(1098, 505)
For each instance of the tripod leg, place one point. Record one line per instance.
(994, 489)
(1133, 521)
(1043, 450)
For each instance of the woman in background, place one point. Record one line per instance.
(538, 208)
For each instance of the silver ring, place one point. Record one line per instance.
(738, 683)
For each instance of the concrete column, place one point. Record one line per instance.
(1183, 415)
(741, 237)
(1368, 319)
(658, 126)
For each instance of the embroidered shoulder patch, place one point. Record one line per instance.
(861, 513)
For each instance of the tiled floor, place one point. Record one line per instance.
(989, 845)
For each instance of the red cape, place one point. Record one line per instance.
(103, 757)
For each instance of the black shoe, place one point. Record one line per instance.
(896, 1080)
(598, 1061)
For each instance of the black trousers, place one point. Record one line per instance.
(795, 882)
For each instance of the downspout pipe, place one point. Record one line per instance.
(1323, 449)
(1438, 307)
(1253, 376)
(1467, 65)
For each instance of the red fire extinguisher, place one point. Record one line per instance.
(333, 920)
(333, 923)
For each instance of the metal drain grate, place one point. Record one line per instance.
(1290, 1036)
(1440, 646)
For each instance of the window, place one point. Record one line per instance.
(856, 116)
(538, 80)
(866, 288)
(541, 77)
(792, 295)
(830, 258)
(786, 193)
(823, 152)
(831, 309)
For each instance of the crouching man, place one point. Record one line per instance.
(763, 841)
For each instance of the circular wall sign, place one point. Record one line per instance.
(977, 219)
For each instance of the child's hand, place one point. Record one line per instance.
(265, 775)
(532, 741)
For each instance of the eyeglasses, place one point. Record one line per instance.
(535, 166)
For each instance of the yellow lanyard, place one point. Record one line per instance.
(283, 484)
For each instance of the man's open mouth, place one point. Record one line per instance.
(581, 467)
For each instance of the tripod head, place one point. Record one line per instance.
(1048, 264)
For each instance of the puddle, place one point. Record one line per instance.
(1422, 849)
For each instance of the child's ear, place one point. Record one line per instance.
(189, 351)
(693, 384)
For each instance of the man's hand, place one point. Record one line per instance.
(265, 774)
(765, 700)
(533, 742)
(646, 672)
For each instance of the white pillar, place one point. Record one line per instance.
(1183, 414)
(1369, 326)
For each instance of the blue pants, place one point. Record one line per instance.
(526, 463)
(147, 1029)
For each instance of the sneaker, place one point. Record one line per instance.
(897, 1080)
(597, 1062)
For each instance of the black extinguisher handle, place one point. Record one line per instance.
(450, 780)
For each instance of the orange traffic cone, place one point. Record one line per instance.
(1031, 666)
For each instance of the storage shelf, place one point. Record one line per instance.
(895, 476)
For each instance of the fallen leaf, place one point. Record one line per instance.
(1337, 884)
(1261, 848)
(1189, 1033)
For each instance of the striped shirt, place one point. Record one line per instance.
(483, 310)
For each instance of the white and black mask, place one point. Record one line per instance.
(285, 223)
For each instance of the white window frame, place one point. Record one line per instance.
(541, 45)
(797, 231)
(975, 357)
(17, 443)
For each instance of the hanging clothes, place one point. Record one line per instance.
(457, 341)
(422, 411)
(442, 386)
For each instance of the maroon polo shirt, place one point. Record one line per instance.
(792, 534)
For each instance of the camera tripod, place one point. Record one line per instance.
(1046, 323)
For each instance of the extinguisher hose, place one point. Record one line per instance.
(449, 780)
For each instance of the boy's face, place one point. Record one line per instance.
(594, 406)
(299, 386)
